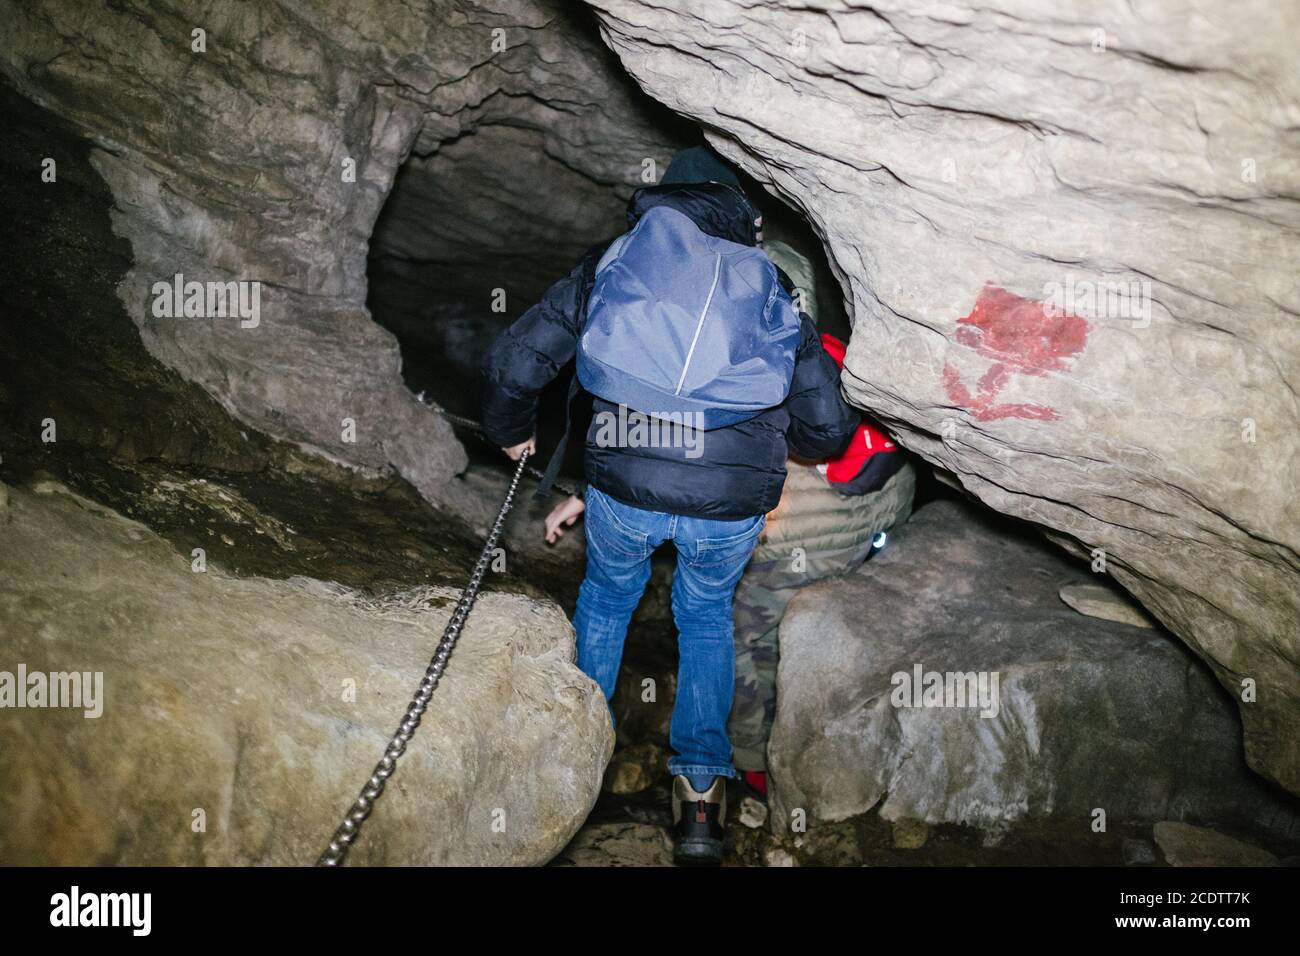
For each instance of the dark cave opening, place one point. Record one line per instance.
(476, 228)
(480, 223)
(460, 250)
(474, 233)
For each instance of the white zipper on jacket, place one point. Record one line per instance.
(717, 269)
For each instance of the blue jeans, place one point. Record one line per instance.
(710, 558)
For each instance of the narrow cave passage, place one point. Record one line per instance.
(478, 227)
(474, 231)
(257, 533)
(470, 236)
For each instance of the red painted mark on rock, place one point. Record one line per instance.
(1021, 336)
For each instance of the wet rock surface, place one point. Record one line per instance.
(74, 372)
(82, 400)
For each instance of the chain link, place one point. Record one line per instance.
(346, 834)
(460, 421)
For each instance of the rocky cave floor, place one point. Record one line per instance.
(379, 536)
(632, 830)
(631, 821)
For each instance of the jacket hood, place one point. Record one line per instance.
(718, 209)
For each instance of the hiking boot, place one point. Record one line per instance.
(697, 822)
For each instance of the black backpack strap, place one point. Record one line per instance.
(557, 456)
(590, 258)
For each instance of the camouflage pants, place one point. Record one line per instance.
(761, 599)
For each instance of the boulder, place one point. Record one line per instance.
(751, 812)
(1066, 232)
(1186, 845)
(1052, 716)
(239, 717)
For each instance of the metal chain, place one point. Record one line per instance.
(347, 832)
(460, 421)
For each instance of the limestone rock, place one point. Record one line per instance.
(241, 716)
(1105, 603)
(751, 813)
(636, 768)
(1186, 845)
(618, 844)
(966, 163)
(779, 856)
(1073, 714)
(910, 834)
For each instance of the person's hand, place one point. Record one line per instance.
(565, 513)
(529, 446)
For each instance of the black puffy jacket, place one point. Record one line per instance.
(741, 470)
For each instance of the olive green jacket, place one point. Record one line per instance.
(813, 516)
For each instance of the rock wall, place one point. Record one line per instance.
(1068, 237)
(258, 141)
(225, 691)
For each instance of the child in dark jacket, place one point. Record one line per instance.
(710, 500)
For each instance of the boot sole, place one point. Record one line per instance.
(698, 853)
